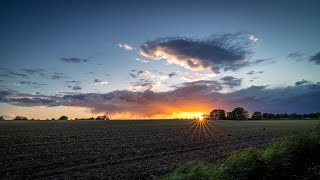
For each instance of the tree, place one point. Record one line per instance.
(229, 116)
(63, 118)
(218, 114)
(257, 116)
(104, 117)
(20, 118)
(1, 118)
(240, 113)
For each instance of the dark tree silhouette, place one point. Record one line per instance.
(63, 118)
(257, 116)
(20, 118)
(104, 117)
(218, 114)
(240, 113)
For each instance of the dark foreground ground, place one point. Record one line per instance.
(126, 149)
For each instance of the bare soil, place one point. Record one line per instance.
(126, 149)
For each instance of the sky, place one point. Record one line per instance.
(158, 59)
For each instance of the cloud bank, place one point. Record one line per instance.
(188, 97)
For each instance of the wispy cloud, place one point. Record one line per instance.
(197, 76)
(74, 81)
(142, 60)
(144, 84)
(315, 58)
(296, 56)
(132, 75)
(10, 73)
(32, 83)
(253, 38)
(144, 73)
(74, 60)
(126, 47)
(57, 76)
(34, 71)
(100, 82)
(254, 72)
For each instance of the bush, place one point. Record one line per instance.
(296, 157)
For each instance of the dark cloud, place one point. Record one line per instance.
(15, 74)
(259, 61)
(132, 75)
(172, 74)
(315, 58)
(10, 73)
(225, 82)
(302, 82)
(225, 52)
(297, 56)
(97, 81)
(26, 101)
(74, 60)
(57, 75)
(202, 84)
(254, 72)
(34, 71)
(76, 88)
(231, 81)
(24, 82)
(73, 81)
(31, 83)
(195, 96)
(4, 94)
(243, 64)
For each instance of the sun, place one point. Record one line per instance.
(200, 118)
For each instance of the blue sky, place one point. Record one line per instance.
(74, 48)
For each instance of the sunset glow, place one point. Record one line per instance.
(111, 58)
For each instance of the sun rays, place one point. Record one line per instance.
(203, 128)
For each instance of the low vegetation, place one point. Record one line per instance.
(296, 157)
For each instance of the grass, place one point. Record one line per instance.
(295, 157)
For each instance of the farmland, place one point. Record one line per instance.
(126, 149)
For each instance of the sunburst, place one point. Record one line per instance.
(203, 128)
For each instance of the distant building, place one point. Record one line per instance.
(104, 117)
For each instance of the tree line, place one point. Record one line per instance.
(240, 113)
(22, 118)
